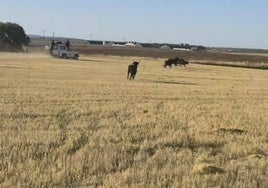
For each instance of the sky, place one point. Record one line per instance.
(218, 23)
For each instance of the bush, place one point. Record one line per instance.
(12, 36)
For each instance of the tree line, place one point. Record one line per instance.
(12, 37)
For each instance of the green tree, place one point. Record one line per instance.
(12, 36)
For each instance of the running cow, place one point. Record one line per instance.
(132, 70)
(170, 62)
(175, 62)
(182, 62)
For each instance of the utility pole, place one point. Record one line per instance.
(44, 33)
(53, 34)
(91, 36)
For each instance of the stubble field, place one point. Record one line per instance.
(66, 123)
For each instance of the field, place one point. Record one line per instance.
(246, 60)
(66, 123)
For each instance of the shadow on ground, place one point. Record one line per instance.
(169, 82)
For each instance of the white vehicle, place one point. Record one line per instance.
(61, 50)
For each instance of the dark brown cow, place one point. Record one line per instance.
(175, 61)
(182, 62)
(132, 70)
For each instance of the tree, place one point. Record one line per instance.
(12, 36)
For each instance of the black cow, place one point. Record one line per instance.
(182, 62)
(132, 70)
(169, 63)
(175, 61)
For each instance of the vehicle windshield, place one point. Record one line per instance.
(62, 47)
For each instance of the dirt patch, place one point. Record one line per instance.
(160, 53)
(204, 58)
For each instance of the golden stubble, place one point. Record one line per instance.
(67, 123)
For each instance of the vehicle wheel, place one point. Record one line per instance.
(64, 56)
(76, 56)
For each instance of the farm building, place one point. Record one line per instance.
(165, 47)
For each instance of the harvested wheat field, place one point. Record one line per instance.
(66, 123)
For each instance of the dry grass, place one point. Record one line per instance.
(67, 123)
(247, 60)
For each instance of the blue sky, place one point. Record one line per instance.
(225, 23)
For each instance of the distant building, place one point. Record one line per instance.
(109, 44)
(181, 49)
(138, 45)
(130, 44)
(198, 48)
(165, 47)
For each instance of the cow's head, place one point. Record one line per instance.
(136, 63)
